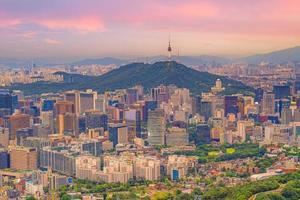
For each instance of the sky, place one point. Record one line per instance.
(72, 29)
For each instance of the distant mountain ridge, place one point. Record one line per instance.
(276, 57)
(147, 75)
(102, 61)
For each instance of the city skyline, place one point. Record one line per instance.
(78, 29)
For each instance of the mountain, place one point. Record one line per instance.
(101, 61)
(147, 75)
(186, 60)
(276, 57)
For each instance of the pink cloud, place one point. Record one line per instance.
(53, 41)
(9, 22)
(83, 24)
(29, 34)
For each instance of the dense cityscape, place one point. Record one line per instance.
(157, 144)
(149, 100)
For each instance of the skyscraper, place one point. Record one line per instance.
(8, 100)
(156, 127)
(268, 106)
(231, 105)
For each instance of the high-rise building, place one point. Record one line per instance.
(149, 105)
(96, 119)
(156, 127)
(206, 108)
(8, 100)
(131, 96)
(23, 158)
(100, 103)
(231, 105)
(62, 107)
(74, 98)
(87, 100)
(160, 93)
(118, 134)
(16, 122)
(268, 105)
(282, 91)
(177, 137)
(203, 134)
(133, 120)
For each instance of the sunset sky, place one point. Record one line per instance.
(133, 28)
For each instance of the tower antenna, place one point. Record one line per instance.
(169, 49)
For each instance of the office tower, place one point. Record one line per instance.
(156, 127)
(131, 96)
(118, 134)
(231, 105)
(203, 134)
(47, 119)
(23, 158)
(160, 93)
(286, 116)
(149, 105)
(62, 107)
(258, 95)
(86, 167)
(268, 104)
(100, 103)
(282, 91)
(147, 168)
(37, 143)
(87, 100)
(16, 122)
(96, 119)
(8, 100)
(206, 108)
(177, 137)
(48, 105)
(74, 98)
(70, 124)
(4, 137)
(133, 120)
(217, 103)
(4, 159)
